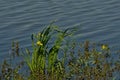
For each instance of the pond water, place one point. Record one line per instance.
(96, 20)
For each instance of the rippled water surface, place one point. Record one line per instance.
(96, 20)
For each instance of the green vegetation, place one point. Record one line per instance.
(61, 60)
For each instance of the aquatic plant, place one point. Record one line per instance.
(8, 70)
(96, 63)
(52, 57)
(43, 61)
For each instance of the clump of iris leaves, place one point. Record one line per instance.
(54, 56)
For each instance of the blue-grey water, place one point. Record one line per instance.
(96, 20)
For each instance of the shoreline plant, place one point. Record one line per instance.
(44, 61)
(62, 59)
